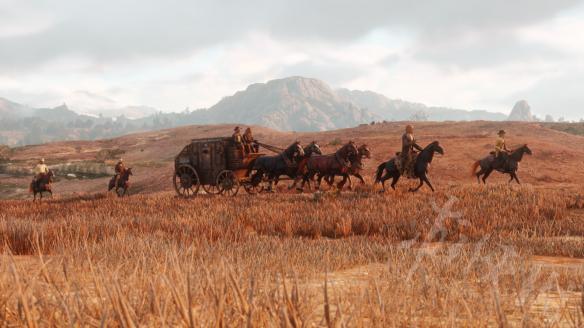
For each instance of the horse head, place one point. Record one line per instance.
(436, 148)
(129, 171)
(364, 151)
(50, 176)
(312, 148)
(295, 151)
(526, 150)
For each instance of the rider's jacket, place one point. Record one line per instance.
(40, 169)
(120, 168)
(500, 146)
(236, 137)
(408, 144)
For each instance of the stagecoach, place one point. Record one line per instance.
(217, 165)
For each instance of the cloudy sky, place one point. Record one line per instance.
(175, 54)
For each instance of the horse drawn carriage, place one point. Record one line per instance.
(217, 165)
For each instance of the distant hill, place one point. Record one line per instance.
(521, 112)
(399, 110)
(291, 104)
(288, 104)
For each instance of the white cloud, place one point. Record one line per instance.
(467, 54)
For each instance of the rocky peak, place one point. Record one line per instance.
(521, 112)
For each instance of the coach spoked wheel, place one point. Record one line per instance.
(255, 185)
(227, 182)
(186, 181)
(212, 189)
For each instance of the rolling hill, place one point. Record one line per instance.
(288, 104)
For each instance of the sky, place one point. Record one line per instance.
(172, 55)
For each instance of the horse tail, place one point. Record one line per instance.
(475, 165)
(380, 169)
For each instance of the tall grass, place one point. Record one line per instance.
(360, 259)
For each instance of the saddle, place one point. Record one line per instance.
(408, 171)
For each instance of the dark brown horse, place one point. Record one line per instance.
(273, 167)
(508, 165)
(329, 164)
(421, 164)
(42, 184)
(123, 183)
(354, 170)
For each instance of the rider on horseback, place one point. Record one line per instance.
(40, 170)
(407, 153)
(501, 151)
(120, 169)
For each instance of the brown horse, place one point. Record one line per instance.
(509, 165)
(421, 165)
(355, 169)
(329, 164)
(42, 184)
(123, 183)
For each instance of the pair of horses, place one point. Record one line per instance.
(44, 184)
(509, 164)
(303, 164)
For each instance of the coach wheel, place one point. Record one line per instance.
(212, 189)
(186, 181)
(227, 182)
(255, 185)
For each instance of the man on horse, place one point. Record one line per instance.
(120, 169)
(40, 171)
(408, 153)
(501, 151)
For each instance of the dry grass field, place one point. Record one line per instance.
(467, 255)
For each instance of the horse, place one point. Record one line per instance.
(354, 170)
(312, 149)
(421, 164)
(273, 167)
(325, 165)
(42, 184)
(510, 165)
(123, 182)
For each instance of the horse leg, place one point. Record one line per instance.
(394, 181)
(514, 175)
(341, 183)
(427, 181)
(478, 174)
(385, 178)
(486, 175)
(419, 186)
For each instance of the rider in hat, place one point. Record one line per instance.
(120, 169)
(501, 150)
(40, 170)
(238, 139)
(407, 153)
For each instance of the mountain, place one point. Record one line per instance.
(11, 110)
(521, 112)
(399, 110)
(290, 104)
